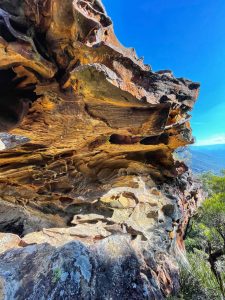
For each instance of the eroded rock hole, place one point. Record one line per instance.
(39, 39)
(16, 227)
(129, 140)
(15, 102)
(123, 139)
(5, 33)
(155, 140)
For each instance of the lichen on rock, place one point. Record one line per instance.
(93, 204)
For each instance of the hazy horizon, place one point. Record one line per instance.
(206, 145)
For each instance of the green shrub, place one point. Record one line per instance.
(205, 245)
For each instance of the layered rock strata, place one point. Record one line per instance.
(93, 204)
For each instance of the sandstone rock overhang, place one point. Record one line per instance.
(89, 155)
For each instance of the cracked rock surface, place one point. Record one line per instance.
(93, 204)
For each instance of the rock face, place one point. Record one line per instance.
(93, 204)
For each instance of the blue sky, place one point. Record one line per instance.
(187, 37)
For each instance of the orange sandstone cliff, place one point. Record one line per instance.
(93, 204)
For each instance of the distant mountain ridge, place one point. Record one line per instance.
(207, 158)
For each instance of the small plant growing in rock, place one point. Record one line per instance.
(56, 275)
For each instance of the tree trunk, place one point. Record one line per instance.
(213, 258)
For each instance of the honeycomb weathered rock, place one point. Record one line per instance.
(90, 167)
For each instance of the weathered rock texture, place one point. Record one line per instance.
(91, 197)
